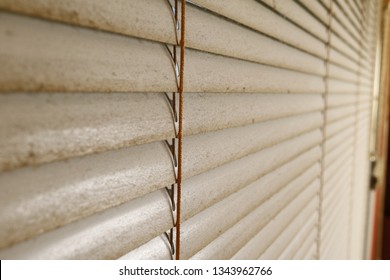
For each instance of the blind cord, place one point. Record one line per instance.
(175, 145)
(180, 134)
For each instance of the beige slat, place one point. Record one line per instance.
(331, 191)
(201, 157)
(349, 19)
(204, 227)
(339, 42)
(340, 59)
(156, 248)
(25, 224)
(339, 87)
(332, 155)
(330, 188)
(337, 100)
(228, 243)
(341, 73)
(337, 126)
(336, 228)
(329, 246)
(310, 241)
(356, 11)
(366, 93)
(329, 172)
(294, 12)
(294, 235)
(259, 243)
(338, 207)
(264, 21)
(317, 9)
(147, 167)
(65, 58)
(223, 185)
(334, 142)
(337, 113)
(350, 32)
(365, 97)
(82, 239)
(153, 20)
(311, 254)
(39, 128)
(365, 88)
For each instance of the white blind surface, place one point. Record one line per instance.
(276, 118)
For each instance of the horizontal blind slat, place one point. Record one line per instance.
(343, 129)
(337, 126)
(57, 126)
(339, 87)
(242, 141)
(338, 227)
(340, 112)
(264, 21)
(152, 20)
(228, 243)
(345, 34)
(338, 100)
(71, 66)
(82, 239)
(65, 213)
(332, 155)
(156, 245)
(345, 15)
(296, 243)
(309, 242)
(295, 13)
(294, 233)
(329, 172)
(317, 9)
(332, 194)
(259, 243)
(341, 73)
(312, 253)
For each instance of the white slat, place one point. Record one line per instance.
(228, 243)
(293, 236)
(38, 128)
(259, 243)
(153, 20)
(248, 165)
(294, 12)
(119, 221)
(265, 20)
(65, 59)
(309, 242)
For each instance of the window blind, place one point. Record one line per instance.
(275, 125)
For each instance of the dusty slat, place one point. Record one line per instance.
(264, 238)
(106, 178)
(294, 233)
(264, 20)
(55, 57)
(39, 128)
(82, 239)
(228, 243)
(153, 20)
(295, 13)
